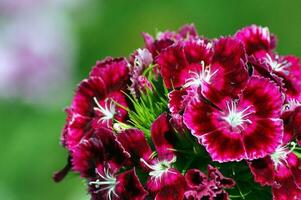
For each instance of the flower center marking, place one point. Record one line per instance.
(108, 111)
(277, 66)
(108, 182)
(237, 118)
(159, 168)
(199, 78)
(280, 155)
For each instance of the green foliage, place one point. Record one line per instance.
(148, 106)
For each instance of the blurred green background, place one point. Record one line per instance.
(29, 142)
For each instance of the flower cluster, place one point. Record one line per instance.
(189, 118)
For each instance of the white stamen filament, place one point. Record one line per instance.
(199, 78)
(277, 66)
(291, 105)
(280, 155)
(108, 111)
(159, 168)
(237, 118)
(108, 181)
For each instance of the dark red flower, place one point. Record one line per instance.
(164, 182)
(114, 186)
(291, 117)
(223, 74)
(288, 68)
(256, 39)
(200, 186)
(282, 171)
(165, 39)
(135, 143)
(99, 148)
(245, 128)
(94, 104)
(178, 61)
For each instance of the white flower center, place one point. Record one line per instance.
(198, 79)
(237, 118)
(277, 66)
(159, 168)
(107, 112)
(280, 155)
(107, 183)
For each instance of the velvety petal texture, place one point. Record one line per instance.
(101, 147)
(147, 126)
(246, 128)
(211, 186)
(94, 104)
(256, 38)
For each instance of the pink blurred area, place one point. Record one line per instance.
(37, 50)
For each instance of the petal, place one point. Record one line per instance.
(114, 154)
(129, 186)
(156, 46)
(224, 146)
(76, 128)
(163, 138)
(134, 142)
(286, 188)
(113, 71)
(86, 156)
(176, 100)
(169, 186)
(197, 50)
(295, 166)
(188, 30)
(220, 180)
(91, 94)
(195, 178)
(228, 69)
(256, 38)
(265, 96)
(83, 99)
(172, 63)
(178, 61)
(292, 122)
(263, 139)
(291, 76)
(263, 170)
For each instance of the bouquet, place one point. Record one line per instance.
(187, 117)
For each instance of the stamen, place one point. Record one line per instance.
(237, 118)
(159, 168)
(199, 78)
(108, 181)
(276, 66)
(291, 105)
(108, 111)
(280, 155)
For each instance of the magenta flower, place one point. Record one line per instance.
(139, 62)
(176, 61)
(288, 69)
(99, 148)
(245, 128)
(256, 39)
(145, 127)
(211, 76)
(165, 39)
(281, 170)
(164, 182)
(94, 104)
(112, 186)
